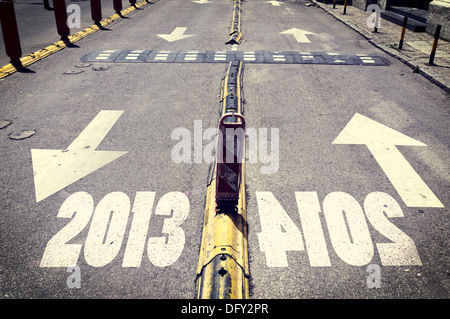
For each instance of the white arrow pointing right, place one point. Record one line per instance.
(381, 141)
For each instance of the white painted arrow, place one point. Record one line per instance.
(381, 141)
(300, 35)
(274, 3)
(202, 1)
(56, 169)
(176, 35)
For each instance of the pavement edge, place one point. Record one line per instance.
(31, 58)
(428, 74)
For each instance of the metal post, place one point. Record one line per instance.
(10, 32)
(402, 37)
(345, 6)
(60, 9)
(118, 6)
(96, 11)
(133, 2)
(436, 39)
(334, 4)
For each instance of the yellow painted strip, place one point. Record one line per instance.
(39, 55)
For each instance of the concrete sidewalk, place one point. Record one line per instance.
(416, 47)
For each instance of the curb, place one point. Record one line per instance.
(31, 58)
(430, 75)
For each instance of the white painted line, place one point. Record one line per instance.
(131, 58)
(137, 51)
(101, 58)
(368, 61)
(104, 54)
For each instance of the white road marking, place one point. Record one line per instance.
(381, 142)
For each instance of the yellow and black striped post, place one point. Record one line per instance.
(402, 36)
(435, 43)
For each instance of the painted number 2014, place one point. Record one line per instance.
(347, 227)
(106, 233)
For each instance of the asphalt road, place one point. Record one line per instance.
(301, 245)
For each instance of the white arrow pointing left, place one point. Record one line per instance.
(299, 35)
(56, 169)
(176, 35)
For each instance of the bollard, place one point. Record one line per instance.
(345, 6)
(334, 4)
(402, 37)
(96, 11)
(118, 6)
(230, 157)
(433, 49)
(60, 10)
(133, 2)
(10, 32)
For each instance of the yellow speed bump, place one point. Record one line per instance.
(223, 271)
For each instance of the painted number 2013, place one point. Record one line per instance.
(106, 233)
(347, 227)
